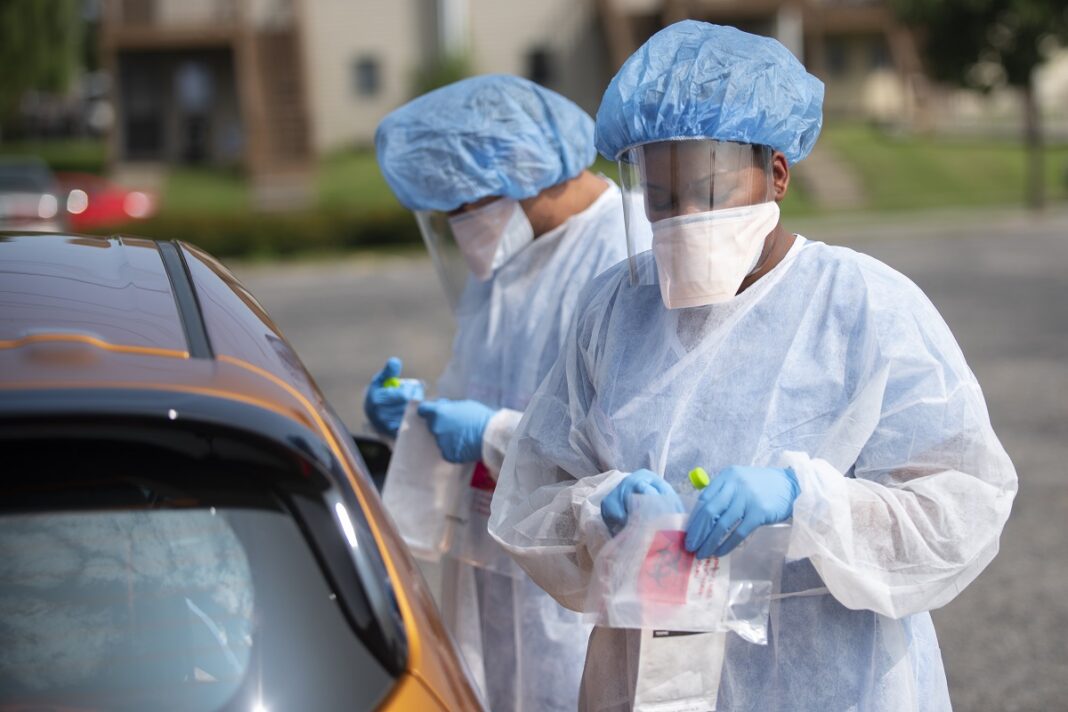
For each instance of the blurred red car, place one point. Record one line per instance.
(93, 202)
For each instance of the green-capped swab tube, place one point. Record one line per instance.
(392, 382)
(699, 478)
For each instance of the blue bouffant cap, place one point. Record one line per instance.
(697, 80)
(489, 135)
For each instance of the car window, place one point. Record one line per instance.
(173, 610)
(136, 578)
(107, 602)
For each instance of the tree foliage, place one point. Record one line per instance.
(448, 69)
(981, 43)
(987, 43)
(40, 47)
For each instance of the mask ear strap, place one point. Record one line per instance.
(761, 258)
(517, 234)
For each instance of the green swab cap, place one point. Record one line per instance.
(392, 382)
(699, 478)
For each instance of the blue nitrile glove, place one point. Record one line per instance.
(384, 403)
(457, 425)
(614, 506)
(742, 499)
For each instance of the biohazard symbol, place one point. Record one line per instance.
(665, 573)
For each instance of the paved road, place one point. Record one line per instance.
(1001, 284)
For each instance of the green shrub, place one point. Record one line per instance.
(73, 155)
(245, 234)
(446, 70)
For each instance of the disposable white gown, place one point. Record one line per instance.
(832, 364)
(524, 649)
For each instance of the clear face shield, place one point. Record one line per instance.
(472, 244)
(444, 253)
(706, 207)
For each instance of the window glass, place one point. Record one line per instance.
(366, 79)
(540, 66)
(174, 609)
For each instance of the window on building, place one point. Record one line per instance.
(366, 76)
(878, 53)
(837, 49)
(540, 66)
(144, 136)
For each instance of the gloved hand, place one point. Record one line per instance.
(384, 404)
(614, 506)
(742, 499)
(457, 426)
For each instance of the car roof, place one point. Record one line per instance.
(113, 290)
(81, 311)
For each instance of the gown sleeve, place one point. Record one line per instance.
(499, 432)
(922, 510)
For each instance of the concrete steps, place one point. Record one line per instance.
(829, 181)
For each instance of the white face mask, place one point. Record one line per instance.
(491, 235)
(703, 258)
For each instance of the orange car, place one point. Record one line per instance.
(184, 522)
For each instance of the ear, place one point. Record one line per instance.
(780, 175)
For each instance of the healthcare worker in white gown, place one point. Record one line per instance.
(498, 167)
(818, 386)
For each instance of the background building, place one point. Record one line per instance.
(271, 83)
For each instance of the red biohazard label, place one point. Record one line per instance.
(481, 478)
(665, 573)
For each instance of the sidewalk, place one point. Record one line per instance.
(949, 222)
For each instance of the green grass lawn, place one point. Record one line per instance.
(351, 181)
(913, 173)
(347, 182)
(898, 173)
(204, 191)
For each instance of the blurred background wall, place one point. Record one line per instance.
(250, 122)
(330, 70)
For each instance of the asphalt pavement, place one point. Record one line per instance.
(999, 280)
